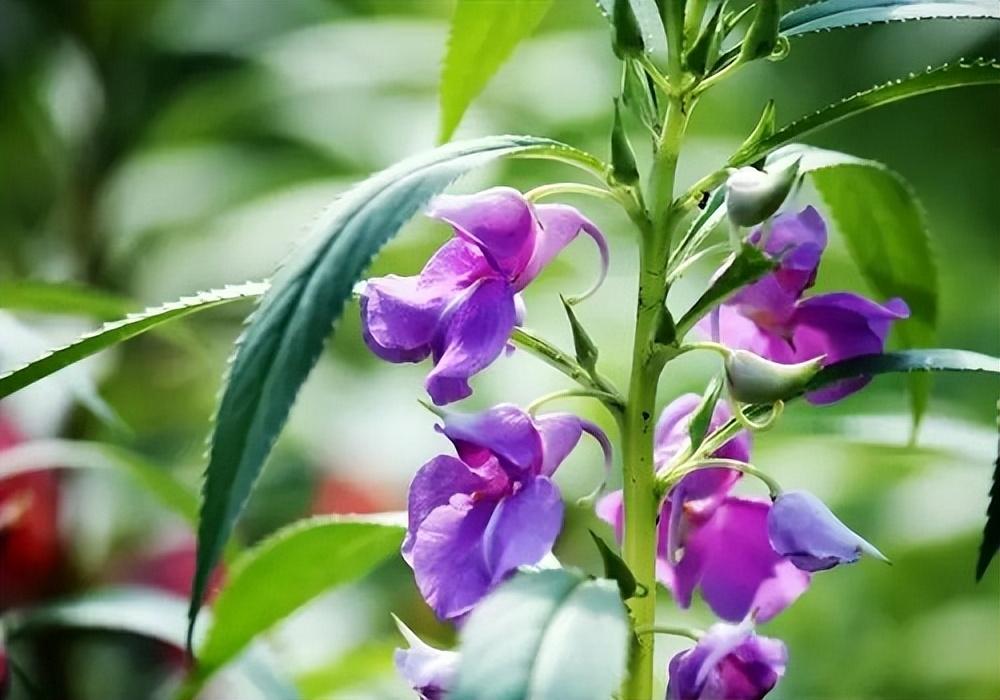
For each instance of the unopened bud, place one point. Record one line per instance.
(753, 196)
(753, 379)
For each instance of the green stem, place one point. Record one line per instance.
(559, 188)
(688, 632)
(554, 357)
(667, 481)
(611, 401)
(648, 358)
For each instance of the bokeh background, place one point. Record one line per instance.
(153, 148)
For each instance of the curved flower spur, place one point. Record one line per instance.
(462, 307)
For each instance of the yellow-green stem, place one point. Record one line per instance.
(639, 545)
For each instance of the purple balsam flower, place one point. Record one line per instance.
(772, 319)
(802, 528)
(475, 519)
(428, 670)
(708, 538)
(728, 663)
(461, 308)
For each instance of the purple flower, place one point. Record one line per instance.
(461, 308)
(475, 519)
(802, 528)
(728, 663)
(771, 319)
(429, 671)
(710, 539)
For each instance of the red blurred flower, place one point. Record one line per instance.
(340, 495)
(30, 548)
(170, 568)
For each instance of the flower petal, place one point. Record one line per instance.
(797, 241)
(433, 486)
(429, 671)
(611, 509)
(475, 330)
(842, 325)
(498, 220)
(523, 528)
(559, 432)
(560, 224)
(447, 556)
(503, 430)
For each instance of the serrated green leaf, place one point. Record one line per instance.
(117, 331)
(838, 14)
(990, 545)
(615, 568)
(287, 332)
(881, 220)
(701, 419)
(542, 635)
(748, 266)
(287, 570)
(483, 35)
(943, 77)
(75, 454)
(924, 360)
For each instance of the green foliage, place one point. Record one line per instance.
(747, 266)
(701, 419)
(926, 360)
(62, 298)
(644, 15)
(705, 49)
(943, 77)
(546, 634)
(117, 331)
(615, 568)
(583, 345)
(287, 332)
(990, 544)
(483, 35)
(762, 36)
(352, 668)
(838, 14)
(287, 570)
(623, 167)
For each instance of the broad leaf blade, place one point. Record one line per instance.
(838, 14)
(287, 332)
(881, 220)
(117, 331)
(287, 570)
(943, 77)
(483, 35)
(547, 634)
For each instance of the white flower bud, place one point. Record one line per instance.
(753, 379)
(753, 196)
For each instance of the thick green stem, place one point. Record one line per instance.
(639, 545)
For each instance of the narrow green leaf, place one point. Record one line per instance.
(623, 167)
(115, 332)
(615, 568)
(583, 345)
(943, 77)
(991, 531)
(924, 360)
(639, 97)
(484, 33)
(838, 14)
(62, 298)
(287, 570)
(701, 419)
(705, 48)
(542, 635)
(748, 266)
(881, 220)
(287, 332)
(74, 454)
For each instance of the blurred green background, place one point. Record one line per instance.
(153, 148)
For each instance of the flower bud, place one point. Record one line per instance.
(753, 379)
(753, 196)
(623, 166)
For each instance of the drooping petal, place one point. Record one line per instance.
(433, 486)
(429, 671)
(730, 557)
(840, 326)
(611, 509)
(504, 430)
(797, 242)
(560, 224)
(523, 528)
(728, 663)
(559, 432)
(474, 331)
(802, 528)
(498, 220)
(400, 315)
(447, 556)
